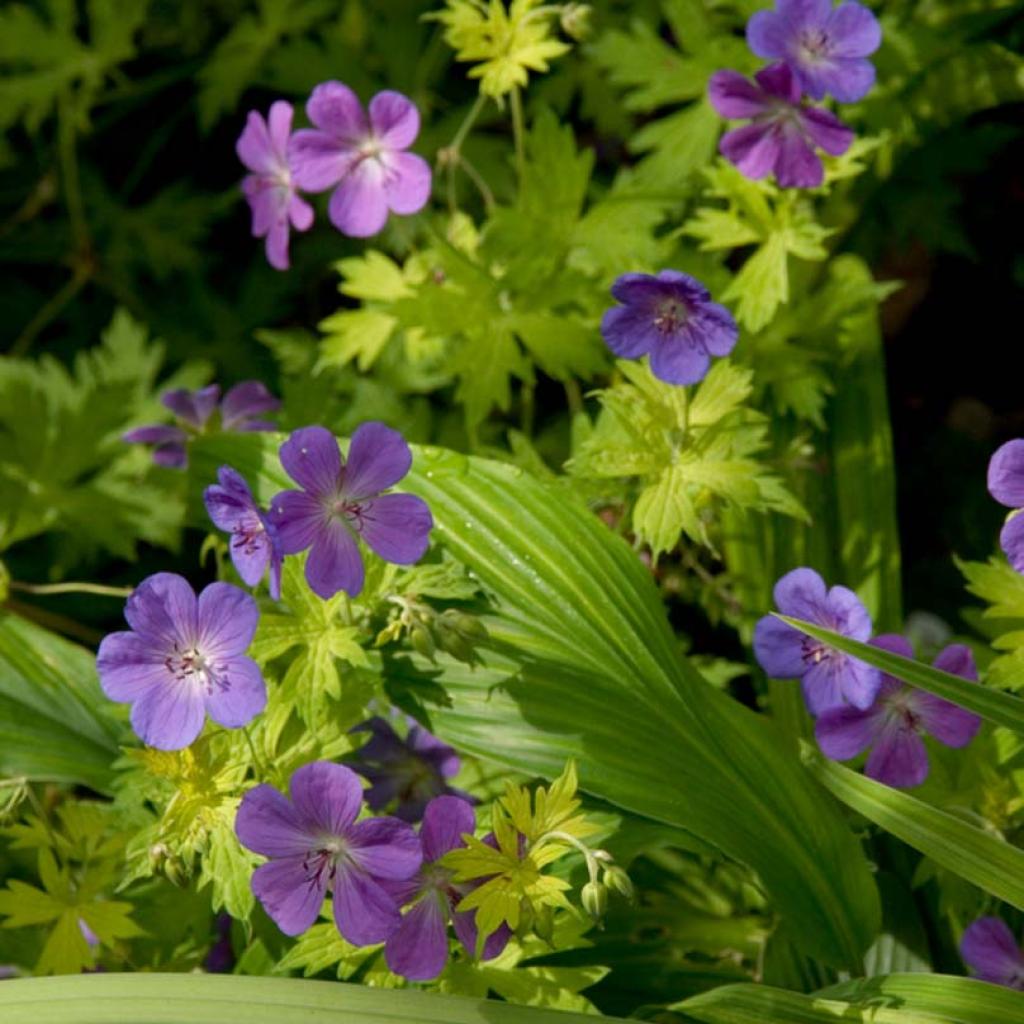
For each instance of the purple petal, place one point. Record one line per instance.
(797, 165)
(714, 327)
(128, 666)
(171, 456)
(848, 79)
(300, 213)
(162, 608)
(428, 746)
(845, 732)
(194, 407)
(636, 289)
(957, 659)
(251, 551)
(899, 757)
(334, 108)
(363, 911)
(894, 643)
(155, 434)
(804, 13)
(386, 848)
(311, 458)
(327, 797)
(777, 80)
(245, 400)
(629, 332)
(418, 949)
(279, 125)
(678, 361)
(445, 821)
(838, 680)
(290, 895)
(827, 131)
(318, 161)
(394, 119)
(396, 527)
(465, 928)
(989, 948)
(947, 722)
(276, 245)
(853, 31)
(801, 594)
(358, 207)
(847, 614)
(779, 649)
(254, 146)
(268, 205)
(753, 149)
(334, 562)
(298, 518)
(169, 717)
(768, 35)
(267, 823)
(1006, 474)
(227, 618)
(378, 458)
(238, 694)
(1011, 540)
(407, 182)
(735, 97)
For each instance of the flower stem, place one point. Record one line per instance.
(71, 588)
(451, 156)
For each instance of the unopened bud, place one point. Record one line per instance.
(422, 641)
(594, 897)
(575, 19)
(452, 641)
(618, 881)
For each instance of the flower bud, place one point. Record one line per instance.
(422, 641)
(575, 20)
(618, 881)
(594, 897)
(452, 641)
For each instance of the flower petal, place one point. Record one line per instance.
(734, 96)
(254, 146)
(386, 848)
(363, 911)
(899, 757)
(715, 328)
(162, 608)
(845, 732)
(396, 526)
(358, 206)
(129, 666)
(853, 31)
(334, 562)
(989, 948)
(289, 894)
(847, 614)
(678, 361)
(801, 594)
(194, 407)
(394, 119)
(418, 948)
(1011, 540)
(378, 458)
(279, 127)
(407, 182)
(797, 165)
(827, 131)
(298, 518)
(155, 434)
(227, 619)
(848, 79)
(300, 213)
(629, 332)
(245, 400)
(267, 823)
(169, 717)
(334, 108)
(239, 693)
(311, 458)
(768, 35)
(778, 80)
(1006, 474)
(317, 160)
(327, 797)
(465, 928)
(445, 821)
(754, 149)
(171, 456)
(779, 649)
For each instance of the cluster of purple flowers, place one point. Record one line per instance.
(856, 707)
(360, 153)
(1006, 485)
(372, 867)
(818, 50)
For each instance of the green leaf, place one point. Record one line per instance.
(55, 723)
(1002, 587)
(896, 999)
(212, 999)
(998, 707)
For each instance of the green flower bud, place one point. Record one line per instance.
(575, 20)
(618, 881)
(452, 641)
(422, 641)
(594, 897)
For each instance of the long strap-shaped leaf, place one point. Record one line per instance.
(896, 999)
(219, 999)
(981, 858)
(601, 676)
(996, 706)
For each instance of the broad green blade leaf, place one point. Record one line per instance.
(981, 858)
(896, 999)
(598, 673)
(996, 706)
(55, 723)
(222, 999)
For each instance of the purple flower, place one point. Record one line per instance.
(363, 153)
(669, 316)
(824, 47)
(830, 678)
(1006, 485)
(418, 948)
(270, 189)
(183, 658)
(411, 771)
(783, 133)
(314, 844)
(343, 501)
(254, 540)
(893, 725)
(242, 406)
(990, 950)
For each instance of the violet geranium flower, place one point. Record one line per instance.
(270, 189)
(990, 950)
(242, 406)
(411, 771)
(669, 316)
(893, 725)
(825, 47)
(183, 658)
(830, 678)
(315, 843)
(364, 154)
(418, 948)
(342, 501)
(783, 134)
(254, 542)
(1006, 485)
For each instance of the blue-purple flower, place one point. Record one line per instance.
(363, 153)
(270, 188)
(670, 317)
(315, 845)
(241, 410)
(1006, 485)
(408, 772)
(783, 134)
(418, 948)
(254, 542)
(342, 501)
(830, 678)
(990, 950)
(893, 726)
(184, 658)
(825, 47)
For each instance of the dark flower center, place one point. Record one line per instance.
(670, 315)
(815, 43)
(352, 513)
(247, 536)
(813, 652)
(321, 863)
(901, 707)
(190, 665)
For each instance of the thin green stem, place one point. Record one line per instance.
(573, 396)
(49, 311)
(518, 133)
(69, 173)
(71, 588)
(450, 156)
(478, 179)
